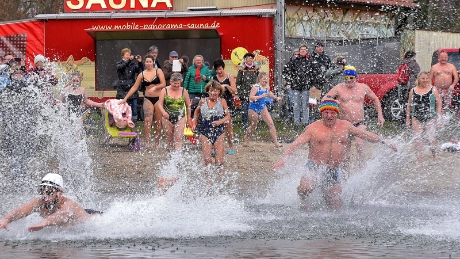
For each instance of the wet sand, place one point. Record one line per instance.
(116, 168)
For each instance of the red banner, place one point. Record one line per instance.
(116, 5)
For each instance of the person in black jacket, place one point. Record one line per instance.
(414, 70)
(299, 77)
(320, 64)
(127, 69)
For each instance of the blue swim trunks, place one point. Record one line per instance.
(330, 176)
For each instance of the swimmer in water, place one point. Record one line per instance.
(53, 207)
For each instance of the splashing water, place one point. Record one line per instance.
(385, 200)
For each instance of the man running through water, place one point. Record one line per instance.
(56, 209)
(445, 77)
(351, 96)
(328, 142)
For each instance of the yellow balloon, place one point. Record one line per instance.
(237, 55)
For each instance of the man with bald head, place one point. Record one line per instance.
(445, 77)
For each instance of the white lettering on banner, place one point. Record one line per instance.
(155, 2)
(153, 26)
(117, 6)
(113, 5)
(73, 6)
(144, 3)
(99, 2)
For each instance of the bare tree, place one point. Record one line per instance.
(24, 9)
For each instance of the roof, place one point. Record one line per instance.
(402, 3)
(166, 14)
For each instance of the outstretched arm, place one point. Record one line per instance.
(89, 102)
(19, 213)
(369, 136)
(134, 88)
(71, 212)
(59, 218)
(304, 138)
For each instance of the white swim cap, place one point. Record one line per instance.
(53, 180)
(39, 58)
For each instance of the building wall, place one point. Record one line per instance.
(181, 5)
(341, 23)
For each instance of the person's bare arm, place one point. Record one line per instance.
(188, 110)
(232, 87)
(162, 83)
(369, 136)
(226, 118)
(455, 73)
(19, 213)
(134, 88)
(197, 113)
(89, 102)
(160, 104)
(304, 138)
(371, 95)
(438, 106)
(332, 93)
(252, 94)
(408, 109)
(71, 212)
(59, 218)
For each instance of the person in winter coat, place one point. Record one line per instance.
(414, 70)
(298, 75)
(198, 75)
(127, 69)
(248, 71)
(320, 64)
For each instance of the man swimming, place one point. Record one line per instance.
(56, 209)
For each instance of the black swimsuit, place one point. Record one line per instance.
(146, 83)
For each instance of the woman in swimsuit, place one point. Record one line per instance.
(213, 114)
(153, 80)
(259, 97)
(74, 95)
(174, 105)
(424, 107)
(229, 83)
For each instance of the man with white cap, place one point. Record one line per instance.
(56, 209)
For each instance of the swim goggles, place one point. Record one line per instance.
(349, 77)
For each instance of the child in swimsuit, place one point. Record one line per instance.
(423, 110)
(174, 105)
(213, 114)
(260, 98)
